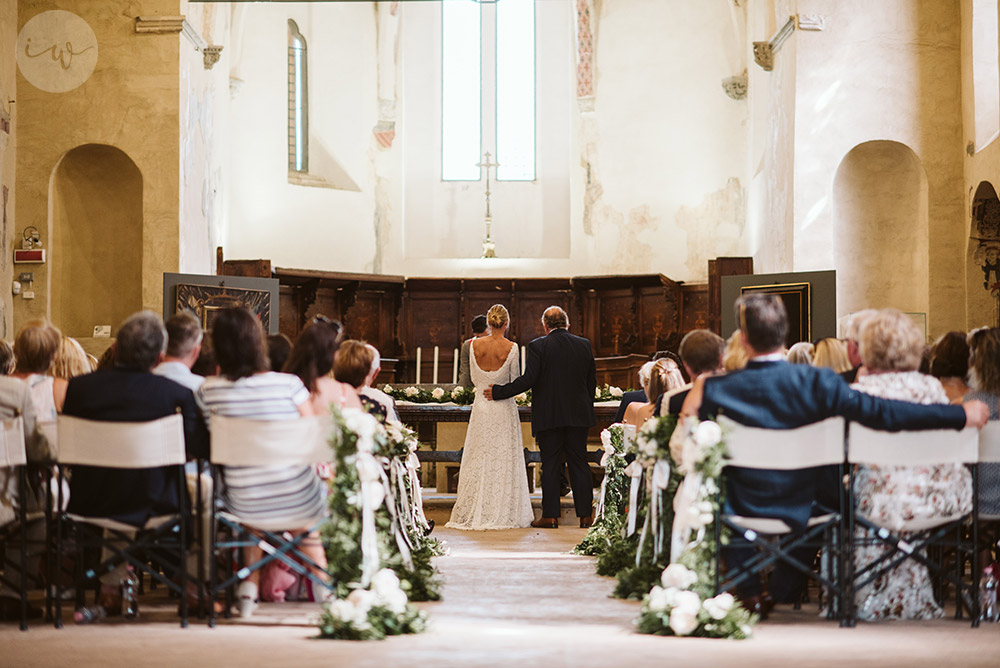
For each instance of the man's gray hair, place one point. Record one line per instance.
(376, 360)
(855, 321)
(555, 318)
(141, 340)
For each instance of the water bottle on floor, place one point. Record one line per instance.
(988, 594)
(89, 615)
(130, 594)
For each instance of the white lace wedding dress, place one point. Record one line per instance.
(492, 485)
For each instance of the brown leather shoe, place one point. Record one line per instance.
(758, 605)
(546, 523)
(587, 522)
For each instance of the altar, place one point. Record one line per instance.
(441, 430)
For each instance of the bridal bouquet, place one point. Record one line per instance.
(682, 603)
(610, 514)
(364, 538)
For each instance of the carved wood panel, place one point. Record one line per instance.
(617, 333)
(695, 307)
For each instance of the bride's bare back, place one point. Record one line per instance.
(491, 351)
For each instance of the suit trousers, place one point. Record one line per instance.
(569, 443)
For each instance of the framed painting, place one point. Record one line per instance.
(798, 304)
(205, 296)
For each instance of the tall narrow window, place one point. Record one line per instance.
(298, 107)
(461, 90)
(515, 86)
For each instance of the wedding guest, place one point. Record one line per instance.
(664, 376)
(107, 360)
(279, 347)
(247, 388)
(984, 379)
(311, 359)
(701, 353)
(130, 392)
(184, 335)
(735, 356)
(206, 365)
(34, 349)
(71, 360)
(851, 335)
(479, 330)
(949, 363)
(369, 390)
(891, 347)
(831, 353)
(351, 366)
(6, 358)
(801, 353)
(635, 396)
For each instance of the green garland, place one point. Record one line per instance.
(464, 396)
(608, 527)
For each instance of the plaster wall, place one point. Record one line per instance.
(882, 71)
(130, 102)
(10, 231)
(658, 170)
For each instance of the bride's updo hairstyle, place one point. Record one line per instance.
(497, 316)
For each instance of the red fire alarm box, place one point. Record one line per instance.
(29, 255)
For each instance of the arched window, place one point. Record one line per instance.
(298, 101)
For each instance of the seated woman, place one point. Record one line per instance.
(800, 353)
(664, 375)
(352, 364)
(891, 347)
(984, 379)
(949, 363)
(35, 348)
(832, 354)
(71, 360)
(247, 388)
(311, 359)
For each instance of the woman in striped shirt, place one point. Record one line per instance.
(247, 388)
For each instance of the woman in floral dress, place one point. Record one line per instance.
(891, 348)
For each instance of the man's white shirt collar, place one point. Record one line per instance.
(770, 357)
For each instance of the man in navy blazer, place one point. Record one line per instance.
(773, 394)
(562, 375)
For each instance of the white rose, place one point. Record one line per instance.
(616, 392)
(412, 391)
(361, 599)
(683, 622)
(395, 601)
(340, 610)
(658, 599)
(387, 389)
(361, 423)
(687, 601)
(707, 434)
(597, 393)
(678, 576)
(456, 393)
(521, 398)
(719, 607)
(746, 629)
(437, 393)
(385, 582)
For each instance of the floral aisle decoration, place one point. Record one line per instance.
(365, 538)
(652, 548)
(464, 396)
(683, 602)
(610, 513)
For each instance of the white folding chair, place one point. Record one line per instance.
(914, 448)
(814, 445)
(124, 445)
(989, 453)
(262, 443)
(13, 460)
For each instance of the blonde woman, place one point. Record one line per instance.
(662, 377)
(492, 487)
(832, 354)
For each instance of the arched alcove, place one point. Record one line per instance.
(880, 229)
(983, 259)
(96, 232)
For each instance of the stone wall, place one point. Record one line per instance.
(10, 228)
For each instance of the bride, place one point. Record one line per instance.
(492, 484)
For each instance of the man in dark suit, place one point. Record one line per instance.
(773, 394)
(130, 392)
(561, 373)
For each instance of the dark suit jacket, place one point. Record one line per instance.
(562, 376)
(629, 398)
(778, 395)
(121, 395)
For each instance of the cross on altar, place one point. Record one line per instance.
(489, 248)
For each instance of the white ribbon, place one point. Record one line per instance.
(416, 496)
(372, 495)
(634, 471)
(404, 509)
(684, 519)
(402, 540)
(660, 480)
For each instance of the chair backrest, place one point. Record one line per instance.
(989, 442)
(12, 452)
(912, 448)
(248, 442)
(50, 430)
(816, 444)
(122, 445)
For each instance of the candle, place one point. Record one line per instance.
(454, 368)
(523, 359)
(418, 366)
(435, 375)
